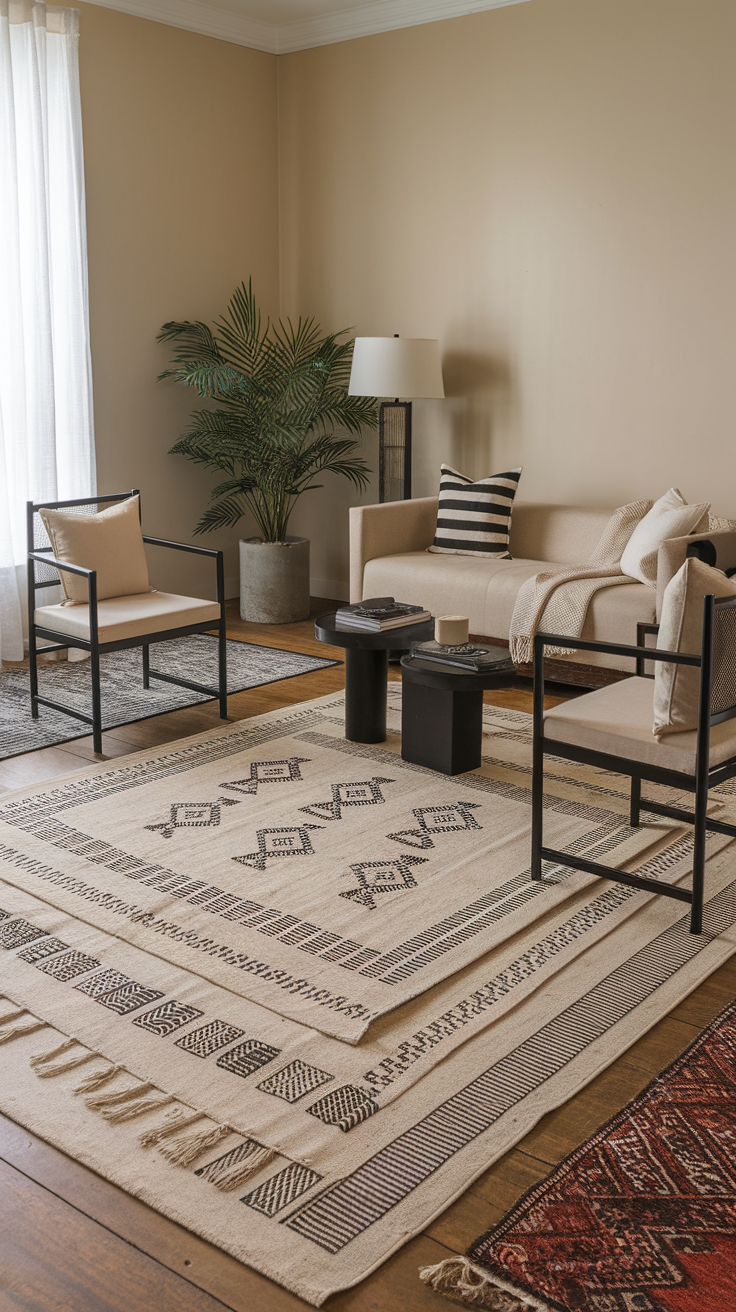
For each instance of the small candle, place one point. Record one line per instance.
(451, 630)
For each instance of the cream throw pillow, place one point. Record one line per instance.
(110, 542)
(670, 517)
(677, 687)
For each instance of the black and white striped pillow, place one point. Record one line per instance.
(473, 519)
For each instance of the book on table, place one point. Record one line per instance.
(379, 614)
(474, 658)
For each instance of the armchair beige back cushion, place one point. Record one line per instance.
(110, 542)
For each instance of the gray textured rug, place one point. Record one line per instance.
(124, 699)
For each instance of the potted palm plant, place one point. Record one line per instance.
(281, 394)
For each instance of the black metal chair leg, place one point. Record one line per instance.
(701, 811)
(222, 662)
(538, 763)
(635, 808)
(33, 669)
(96, 702)
(146, 654)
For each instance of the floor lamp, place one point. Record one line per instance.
(396, 366)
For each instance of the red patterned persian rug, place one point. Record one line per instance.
(641, 1218)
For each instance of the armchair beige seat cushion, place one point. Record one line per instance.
(618, 720)
(130, 617)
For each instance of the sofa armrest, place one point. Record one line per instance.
(387, 530)
(673, 552)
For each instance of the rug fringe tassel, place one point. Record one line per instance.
(12, 1015)
(61, 1067)
(17, 1031)
(230, 1179)
(40, 1058)
(129, 1111)
(103, 1101)
(172, 1124)
(183, 1151)
(460, 1279)
(98, 1078)
(45, 1065)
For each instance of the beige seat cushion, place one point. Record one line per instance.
(618, 720)
(110, 542)
(130, 617)
(484, 590)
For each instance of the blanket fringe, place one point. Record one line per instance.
(183, 1151)
(462, 1281)
(98, 1078)
(179, 1119)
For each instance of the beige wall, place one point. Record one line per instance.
(549, 189)
(182, 204)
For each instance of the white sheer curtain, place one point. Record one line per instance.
(46, 434)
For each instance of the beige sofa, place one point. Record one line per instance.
(389, 557)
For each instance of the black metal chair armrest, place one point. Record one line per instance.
(44, 559)
(197, 551)
(542, 640)
(181, 546)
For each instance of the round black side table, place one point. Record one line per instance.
(366, 672)
(442, 712)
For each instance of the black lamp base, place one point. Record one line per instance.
(394, 451)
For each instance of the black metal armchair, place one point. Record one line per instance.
(99, 626)
(612, 728)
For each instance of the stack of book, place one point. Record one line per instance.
(470, 657)
(379, 614)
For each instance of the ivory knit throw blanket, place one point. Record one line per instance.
(557, 600)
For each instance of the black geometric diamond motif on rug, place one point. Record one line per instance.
(362, 792)
(376, 877)
(438, 820)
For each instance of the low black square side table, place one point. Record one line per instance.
(366, 671)
(442, 712)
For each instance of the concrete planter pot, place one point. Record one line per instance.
(274, 580)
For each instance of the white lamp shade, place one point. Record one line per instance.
(396, 366)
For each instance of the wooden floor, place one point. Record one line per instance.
(71, 1242)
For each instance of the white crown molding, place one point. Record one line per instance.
(284, 38)
(206, 19)
(376, 16)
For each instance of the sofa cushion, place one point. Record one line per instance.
(560, 535)
(129, 617)
(484, 590)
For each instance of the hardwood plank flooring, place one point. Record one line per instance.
(72, 1242)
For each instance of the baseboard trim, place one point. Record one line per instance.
(332, 589)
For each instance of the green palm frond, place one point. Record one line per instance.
(282, 389)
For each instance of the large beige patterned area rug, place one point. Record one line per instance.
(297, 994)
